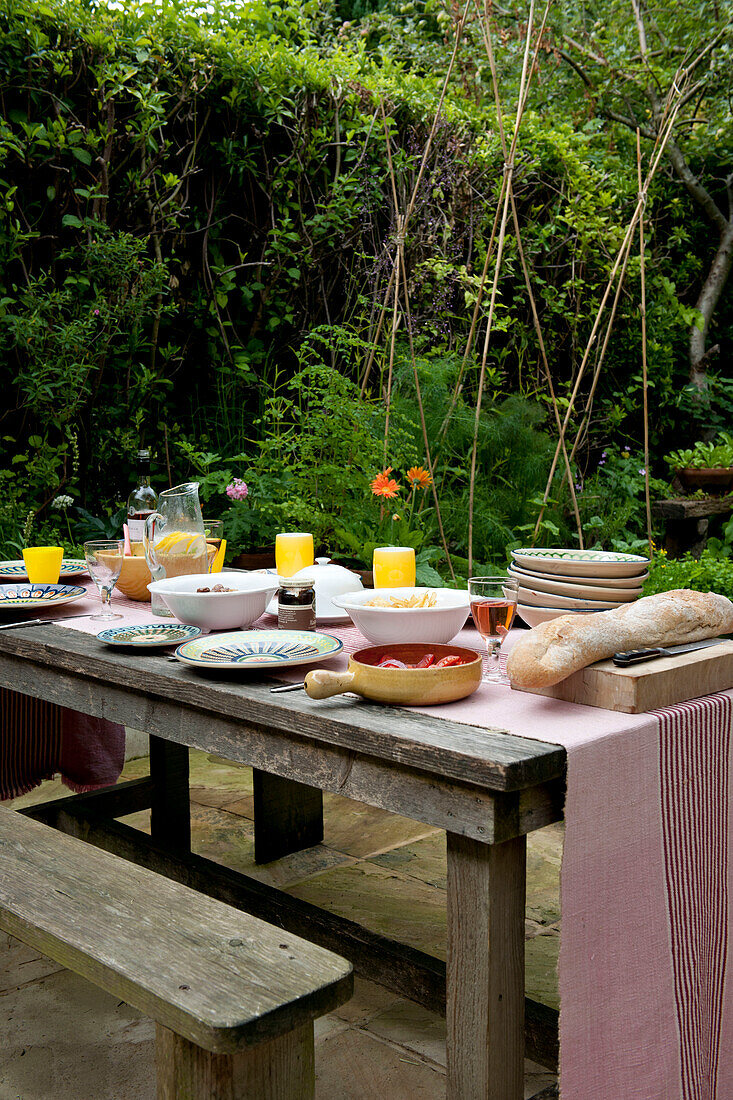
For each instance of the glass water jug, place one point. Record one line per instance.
(174, 538)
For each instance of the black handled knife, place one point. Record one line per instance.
(636, 656)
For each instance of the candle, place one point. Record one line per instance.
(293, 552)
(394, 567)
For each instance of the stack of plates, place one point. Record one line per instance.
(558, 582)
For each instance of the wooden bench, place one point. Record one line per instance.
(233, 998)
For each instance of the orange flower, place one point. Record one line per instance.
(384, 485)
(418, 477)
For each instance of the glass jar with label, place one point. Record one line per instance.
(296, 604)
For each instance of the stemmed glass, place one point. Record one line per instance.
(104, 559)
(493, 606)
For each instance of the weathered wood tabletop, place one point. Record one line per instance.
(486, 788)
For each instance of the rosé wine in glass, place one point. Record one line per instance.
(493, 607)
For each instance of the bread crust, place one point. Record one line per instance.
(554, 650)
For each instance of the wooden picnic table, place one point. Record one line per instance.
(485, 788)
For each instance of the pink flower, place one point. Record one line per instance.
(237, 490)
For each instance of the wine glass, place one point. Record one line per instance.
(493, 606)
(104, 559)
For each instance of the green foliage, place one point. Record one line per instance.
(612, 504)
(722, 548)
(709, 573)
(710, 410)
(215, 183)
(704, 456)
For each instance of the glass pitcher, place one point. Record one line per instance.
(174, 538)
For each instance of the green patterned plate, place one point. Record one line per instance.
(259, 649)
(580, 563)
(149, 635)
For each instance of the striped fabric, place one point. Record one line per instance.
(30, 742)
(39, 740)
(695, 753)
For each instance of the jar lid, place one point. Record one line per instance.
(296, 582)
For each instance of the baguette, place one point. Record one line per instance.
(554, 650)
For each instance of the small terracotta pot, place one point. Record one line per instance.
(401, 686)
(262, 557)
(716, 478)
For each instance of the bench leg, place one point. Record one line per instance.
(288, 816)
(485, 969)
(276, 1069)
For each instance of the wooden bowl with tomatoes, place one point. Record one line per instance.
(405, 674)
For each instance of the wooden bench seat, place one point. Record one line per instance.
(233, 998)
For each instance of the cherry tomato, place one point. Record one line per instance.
(426, 661)
(449, 661)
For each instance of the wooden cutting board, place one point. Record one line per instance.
(654, 684)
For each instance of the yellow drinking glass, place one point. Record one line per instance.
(214, 531)
(293, 552)
(218, 562)
(43, 563)
(394, 567)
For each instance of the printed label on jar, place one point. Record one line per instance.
(297, 618)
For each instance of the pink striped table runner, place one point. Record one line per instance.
(645, 964)
(645, 976)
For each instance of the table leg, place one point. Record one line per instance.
(170, 809)
(288, 816)
(485, 969)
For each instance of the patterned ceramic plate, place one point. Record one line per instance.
(149, 635)
(259, 649)
(16, 570)
(24, 594)
(581, 563)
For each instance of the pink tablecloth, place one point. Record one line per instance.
(645, 969)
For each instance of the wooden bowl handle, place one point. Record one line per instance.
(322, 684)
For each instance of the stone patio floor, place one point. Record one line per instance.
(66, 1040)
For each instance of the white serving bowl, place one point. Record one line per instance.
(533, 616)
(384, 625)
(217, 610)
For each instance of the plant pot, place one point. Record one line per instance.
(261, 557)
(716, 479)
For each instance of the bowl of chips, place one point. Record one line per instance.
(385, 615)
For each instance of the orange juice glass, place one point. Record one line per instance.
(394, 567)
(293, 552)
(43, 563)
(218, 563)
